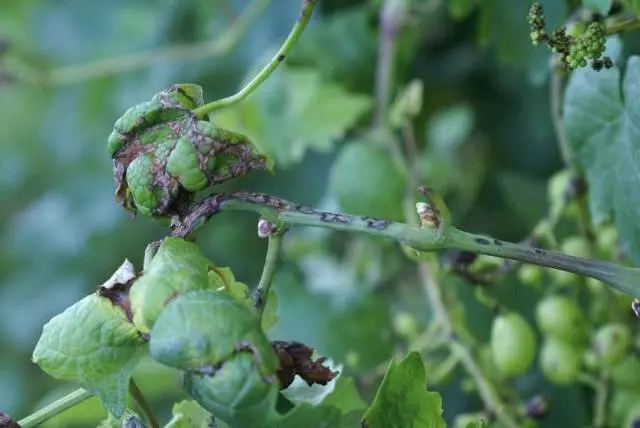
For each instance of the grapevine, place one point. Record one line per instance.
(559, 307)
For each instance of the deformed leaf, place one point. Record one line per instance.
(236, 393)
(93, 344)
(402, 399)
(602, 126)
(206, 328)
(176, 267)
(189, 414)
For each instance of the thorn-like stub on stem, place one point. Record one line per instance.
(428, 217)
(265, 228)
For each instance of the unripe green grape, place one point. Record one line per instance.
(560, 317)
(559, 361)
(607, 240)
(611, 343)
(530, 274)
(563, 278)
(591, 360)
(626, 373)
(406, 325)
(576, 246)
(558, 188)
(513, 344)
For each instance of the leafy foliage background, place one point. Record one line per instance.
(485, 136)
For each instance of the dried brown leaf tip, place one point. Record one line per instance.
(7, 422)
(296, 359)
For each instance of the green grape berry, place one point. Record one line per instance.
(576, 246)
(626, 373)
(367, 182)
(406, 325)
(163, 154)
(560, 317)
(563, 278)
(559, 361)
(530, 274)
(607, 241)
(611, 343)
(513, 344)
(561, 192)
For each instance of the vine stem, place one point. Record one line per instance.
(629, 24)
(142, 403)
(278, 58)
(131, 62)
(486, 391)
(55, 408)
(283, 214)
(268, 272)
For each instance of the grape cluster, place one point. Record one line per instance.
(573, 50)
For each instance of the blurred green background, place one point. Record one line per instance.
(485, 138)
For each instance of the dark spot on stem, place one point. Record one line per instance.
(497, 242)
(281, 57)
(259, 298)
(538, 251)
(334, 218)
(483, 241)
(375, 223)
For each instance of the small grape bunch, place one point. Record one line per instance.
(162, 153)
(573, 50)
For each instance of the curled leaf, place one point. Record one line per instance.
(203, 329)
(162, 153)
(177, 266)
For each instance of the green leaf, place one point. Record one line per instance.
(189, 414)
(601, 6)
(602, 125)
(293, 111)
(176, 267)
(207, 327)
(92, 344)
(402, 399)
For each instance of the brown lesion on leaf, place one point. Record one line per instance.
(7, 422)
(296, 359)
(118, 294)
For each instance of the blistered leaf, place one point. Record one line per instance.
(601, 121)
(189, 414)
(206, 328)
(236, 393)
(177, 266)
(402, 399)
(293, 111)
(93, 344)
